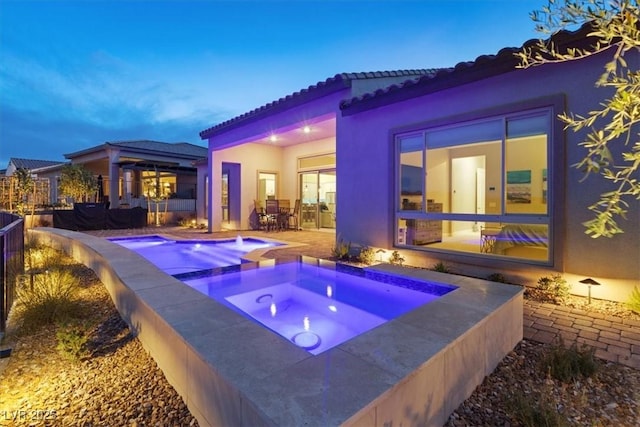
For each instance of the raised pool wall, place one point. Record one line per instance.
(230, 371)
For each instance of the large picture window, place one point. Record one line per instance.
(479, 187)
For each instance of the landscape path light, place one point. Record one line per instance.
(589, 282)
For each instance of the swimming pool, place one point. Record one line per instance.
(184, 256)
(315, 304)
(415, 369)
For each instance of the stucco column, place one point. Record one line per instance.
(201, 191)
(209, 191)
(114, 178)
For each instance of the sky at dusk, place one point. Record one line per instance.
(74, 74)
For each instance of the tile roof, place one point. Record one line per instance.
(465, 72)
(332, 84)
(32, 164)
(179, 149)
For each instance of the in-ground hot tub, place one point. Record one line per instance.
(412, 370)
(315, 304)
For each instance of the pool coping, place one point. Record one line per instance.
(416, 368)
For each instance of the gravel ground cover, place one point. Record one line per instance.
(119, 384)
(611, 397)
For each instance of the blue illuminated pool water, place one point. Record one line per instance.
(313, 303)
(183, 256)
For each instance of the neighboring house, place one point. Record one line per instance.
(30, 164)
(467, 166)
(45, 172)
(134, 171)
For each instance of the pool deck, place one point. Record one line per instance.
(615, 339)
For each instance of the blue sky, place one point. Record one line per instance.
(74, 74)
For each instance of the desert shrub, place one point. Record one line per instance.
(497, 277)
(39, 257)
(536, 411)
(634, 300)
(568, 363)
(441, 267)
(554, 289)
(72, 341)
(186, 222)
(49, 298)
(341, 249)
(396, 258)
(367, 255)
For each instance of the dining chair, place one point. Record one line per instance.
(293, 215)
(272, 210)
(284, 206)
(262, 216)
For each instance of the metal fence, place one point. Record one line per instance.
(12, 262)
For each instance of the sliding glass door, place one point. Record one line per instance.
(318, 199)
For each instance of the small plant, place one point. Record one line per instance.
(48, 298)
(535, 411)
(72, 341)
(634, 300)
(396, 258)
(497, 277)
(441, 267)
(341, 250)
(568, 363)
(39, 258)
(187, 222)
(554, 289)
(367, 255)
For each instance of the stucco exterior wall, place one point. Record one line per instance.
(365, 170)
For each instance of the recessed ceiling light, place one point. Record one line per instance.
(306, 129)
(273, 138)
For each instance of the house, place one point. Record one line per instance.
(144, 170)
(148, 172)
(285, 149)
(30, 164)
(467, 166)
(44, 173)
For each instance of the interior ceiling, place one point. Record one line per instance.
(317, 130)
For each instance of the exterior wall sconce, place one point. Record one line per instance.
(590, 282)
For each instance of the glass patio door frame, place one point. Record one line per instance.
(317, 205)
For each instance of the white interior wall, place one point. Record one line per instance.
(529, 154)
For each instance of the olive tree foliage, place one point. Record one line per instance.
(614, 28)
(24, 185)
(77, 182)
